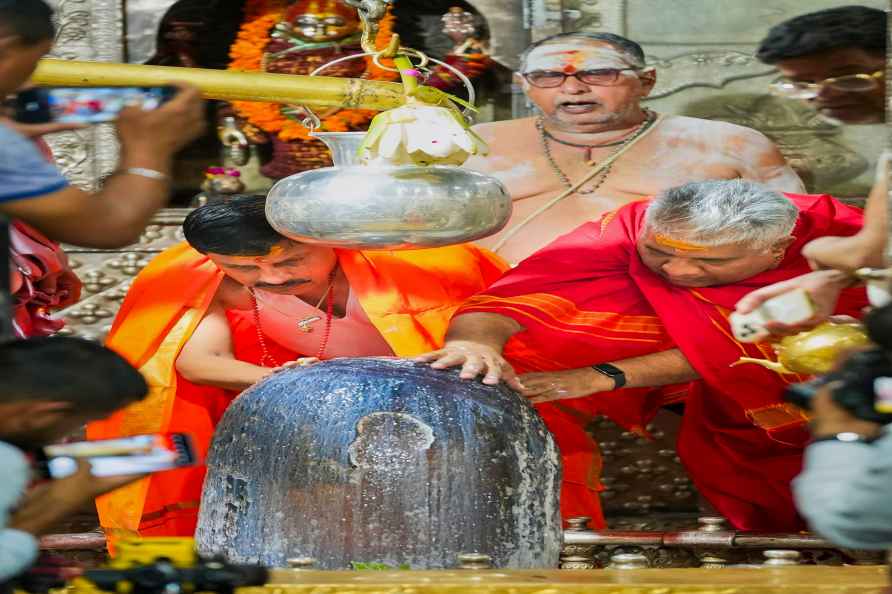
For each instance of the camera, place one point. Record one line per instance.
(862, 386)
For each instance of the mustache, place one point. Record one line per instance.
(286, 285)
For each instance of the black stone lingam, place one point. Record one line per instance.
(381, 461)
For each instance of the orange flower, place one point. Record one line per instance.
(247, 52)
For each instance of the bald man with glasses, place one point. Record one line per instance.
(595, 148)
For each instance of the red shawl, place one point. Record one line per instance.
(588, 298)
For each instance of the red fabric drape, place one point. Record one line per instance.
(588, 298)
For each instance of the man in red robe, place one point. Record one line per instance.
(634, 308)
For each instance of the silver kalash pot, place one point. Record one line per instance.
(385, 207)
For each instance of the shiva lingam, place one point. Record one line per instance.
(380, 462)
(816, 351)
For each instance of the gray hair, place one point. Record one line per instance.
(723, 212)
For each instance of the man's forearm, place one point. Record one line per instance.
(133, 199)
(222, 372)
(111, 218)
(657, 369)
(488, 329)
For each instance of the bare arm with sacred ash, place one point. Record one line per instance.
(475, 342)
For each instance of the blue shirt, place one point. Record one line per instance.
(18, 549)
(24, 171)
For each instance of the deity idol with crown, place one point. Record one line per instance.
(297, 39)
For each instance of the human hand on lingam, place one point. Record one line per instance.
(476, 359)
(299, 362)
(561, 385)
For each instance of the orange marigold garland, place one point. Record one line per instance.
(246, 54)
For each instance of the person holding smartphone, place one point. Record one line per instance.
(35, 192)
(45, 395)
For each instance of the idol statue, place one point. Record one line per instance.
(380, 462)
(469, 55)
(298, 39)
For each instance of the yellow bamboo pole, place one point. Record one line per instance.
(228, 85)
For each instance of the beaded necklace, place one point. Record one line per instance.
(267, 360)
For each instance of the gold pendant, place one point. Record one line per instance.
(304, 325)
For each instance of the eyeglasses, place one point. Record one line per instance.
(549, 79)
(851, 83)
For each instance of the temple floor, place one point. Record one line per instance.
(786, 580)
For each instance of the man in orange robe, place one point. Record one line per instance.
(634, 308)
(204, 322)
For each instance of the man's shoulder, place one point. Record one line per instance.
(17, 473)
(14, 145)
(11, 457)
(701, 128)
(504, 129)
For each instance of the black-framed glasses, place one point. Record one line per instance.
(850, 83)
(549, 79)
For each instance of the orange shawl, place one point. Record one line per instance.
(409, 296)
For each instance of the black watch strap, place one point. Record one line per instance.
(612, 371)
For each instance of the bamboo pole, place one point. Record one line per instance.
(227, 85)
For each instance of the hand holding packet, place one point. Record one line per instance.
(789, 308)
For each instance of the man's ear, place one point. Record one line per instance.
(781, 246)
(648, 78)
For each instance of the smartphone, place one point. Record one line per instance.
(139, 454)
(85, 105)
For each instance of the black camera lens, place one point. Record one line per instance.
(803, 393)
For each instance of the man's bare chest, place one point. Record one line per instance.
(633, 174)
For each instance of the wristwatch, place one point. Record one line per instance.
(612, 371)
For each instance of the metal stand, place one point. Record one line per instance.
(6, 331)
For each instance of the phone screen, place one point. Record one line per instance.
(85, 105)
(139, 454)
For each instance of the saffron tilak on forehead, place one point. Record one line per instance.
(571, 58)
(274, 251)
(677, 244)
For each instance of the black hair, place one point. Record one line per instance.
(844, 26)
(66, 369)
(620, 43)
(236, 226)
(29, 20)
